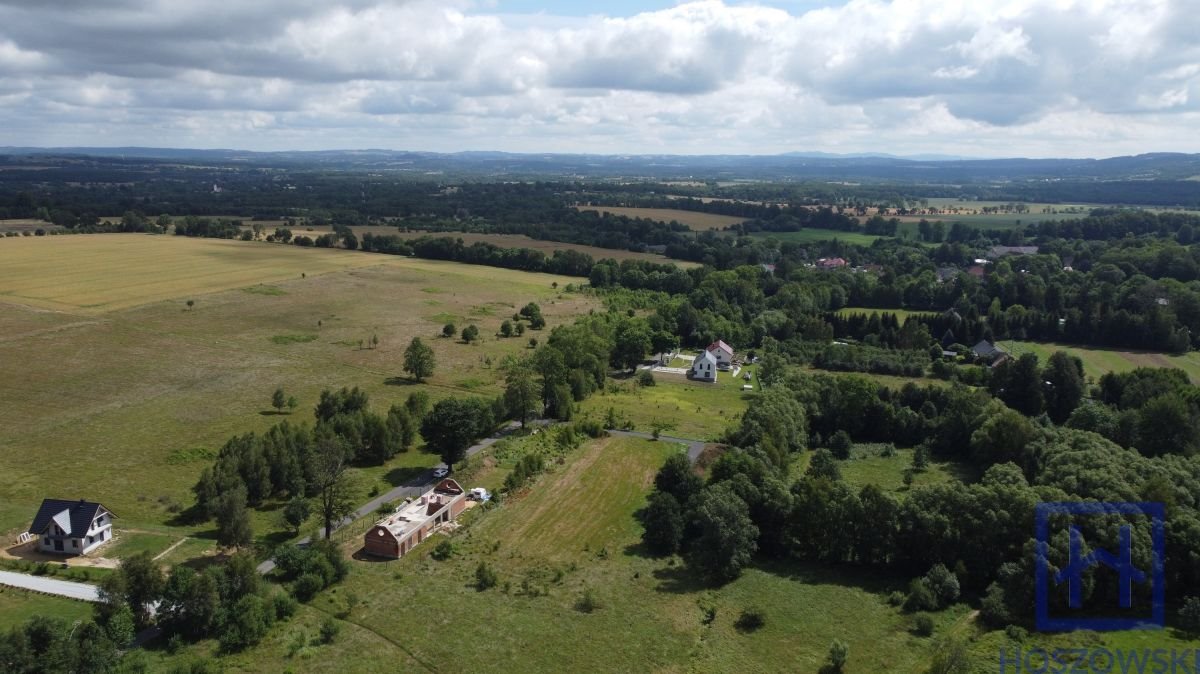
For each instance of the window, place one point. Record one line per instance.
(90, 539)
(74, 543)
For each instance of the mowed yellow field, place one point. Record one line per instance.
(694, 220)
(96, 273)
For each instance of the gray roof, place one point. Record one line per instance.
(76, 515)
(986, 348)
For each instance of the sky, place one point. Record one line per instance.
(1032, 78)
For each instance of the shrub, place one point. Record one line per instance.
(329, 630)
(751, 619)
(920, 597)
(1016, 633)
(485, 577)
(443, 550)
(840, 445)
(588, 602)
(943, 584)
(645, 378)
(838, 652)
(307, 586)
(1189, 615)
(896, 598)
(285, 606)
(923, 626)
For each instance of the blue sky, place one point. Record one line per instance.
(1036, 78)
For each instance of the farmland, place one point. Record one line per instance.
(127, 384)
(1098, 362)
(815, 235)
(693, 219)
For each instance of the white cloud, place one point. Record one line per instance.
(1032, 77)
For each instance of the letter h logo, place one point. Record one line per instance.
(1079, 562)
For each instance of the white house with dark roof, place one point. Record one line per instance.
(722, 352)
(71, 527)
(704, 367)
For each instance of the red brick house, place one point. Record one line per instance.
(397, 534)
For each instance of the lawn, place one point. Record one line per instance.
(694, 220)
(130, 543)
(145, 395)
(699, 411)
(1098, 362)
(17, 606)
(867, 465)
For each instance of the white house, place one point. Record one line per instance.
(704, 367)
(722, 352)
(71, 527)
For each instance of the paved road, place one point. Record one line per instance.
(695, 447)
(414, 487)
(62, 588)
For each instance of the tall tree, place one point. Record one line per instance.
(279, 400)
(522, 394)
(725, 535)
(1065, 385)
(233, 519)
(418, 359)
(334, 497)
(453, 424)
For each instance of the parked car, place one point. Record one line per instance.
(441, 472)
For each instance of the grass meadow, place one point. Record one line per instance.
(130, 392)
(1098, 362)
(695, 220)
(17, 606)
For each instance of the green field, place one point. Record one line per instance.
(815, 235)
(901, 315)
(698, 411)
(141, 392)
(1098, 362)
(17, 606)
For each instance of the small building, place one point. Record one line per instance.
(769, 268)
(397, 534)
(831, 263)
(722, 352)
(704, 367)
(988, 351)
(71, 527)
(946, 274)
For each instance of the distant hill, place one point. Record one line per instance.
(938, 169)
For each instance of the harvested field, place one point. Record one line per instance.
(694, 220)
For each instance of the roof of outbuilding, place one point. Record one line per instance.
(78, 515)
(719, 344)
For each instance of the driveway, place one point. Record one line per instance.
(46, 585)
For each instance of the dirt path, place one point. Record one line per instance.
(166, 552)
